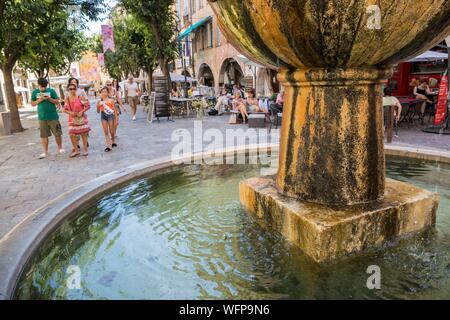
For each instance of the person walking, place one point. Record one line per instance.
(114, 94)
(132, 94)
(107, 110)
(76, 108)
(81, 93)
(46, 100)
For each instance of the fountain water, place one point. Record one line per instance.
(330, 196)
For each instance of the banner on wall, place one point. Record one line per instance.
(108, 38)
(441, 108)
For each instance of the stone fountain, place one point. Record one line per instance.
(330, 196)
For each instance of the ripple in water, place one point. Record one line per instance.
(184, 235)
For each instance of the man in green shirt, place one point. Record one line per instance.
(46, 99)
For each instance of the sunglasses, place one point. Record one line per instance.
(109, 85)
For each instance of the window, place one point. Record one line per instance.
(209, 30)
(201, 38)
(204, 38)
(218, 37)
(186, 8)
(178, 8)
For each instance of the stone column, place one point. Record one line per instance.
(331, 149)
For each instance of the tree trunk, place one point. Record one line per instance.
(150, 80)
(164, 64)
(16, 125)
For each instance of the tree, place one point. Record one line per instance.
(23, 23)
(134, 49)
(158, 16)
(55, 49)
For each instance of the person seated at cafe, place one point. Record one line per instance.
(277, 107)
(193, 91)
(174, 93)
(239, 104)
(280, 99)
(252, 102)
(236, 88)
(389, 100)
(422, 92)
(189, 90)
(222, 101)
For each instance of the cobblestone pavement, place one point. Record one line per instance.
(27, 183)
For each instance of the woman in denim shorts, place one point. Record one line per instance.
(108, 115)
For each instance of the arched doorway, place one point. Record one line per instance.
(205, 75)
(231, 73)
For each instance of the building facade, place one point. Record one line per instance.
(210, 58)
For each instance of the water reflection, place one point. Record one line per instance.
(183, 235)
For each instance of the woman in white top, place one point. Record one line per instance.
(389, 100)
(132, 94)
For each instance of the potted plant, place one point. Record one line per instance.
(199, 106)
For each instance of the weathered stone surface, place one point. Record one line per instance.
(332, 33)
(331, 151)
(333, 56)
(325, 233)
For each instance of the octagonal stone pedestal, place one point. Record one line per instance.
(325, 233)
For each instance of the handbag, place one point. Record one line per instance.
(233, 119)
(76, 120)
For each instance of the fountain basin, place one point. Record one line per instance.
(271, 263)
(326, 233)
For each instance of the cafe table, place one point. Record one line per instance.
(184, 104)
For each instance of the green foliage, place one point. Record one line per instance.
(29, 23)
(54, 49)
(157, 16)
(94, 43)
(134, 45)
(24, 33)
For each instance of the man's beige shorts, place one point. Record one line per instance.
(133, 101)
(47, 127)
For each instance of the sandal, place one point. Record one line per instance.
(85, 154)
(108, 149)
(74, 154)
(114, 145)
